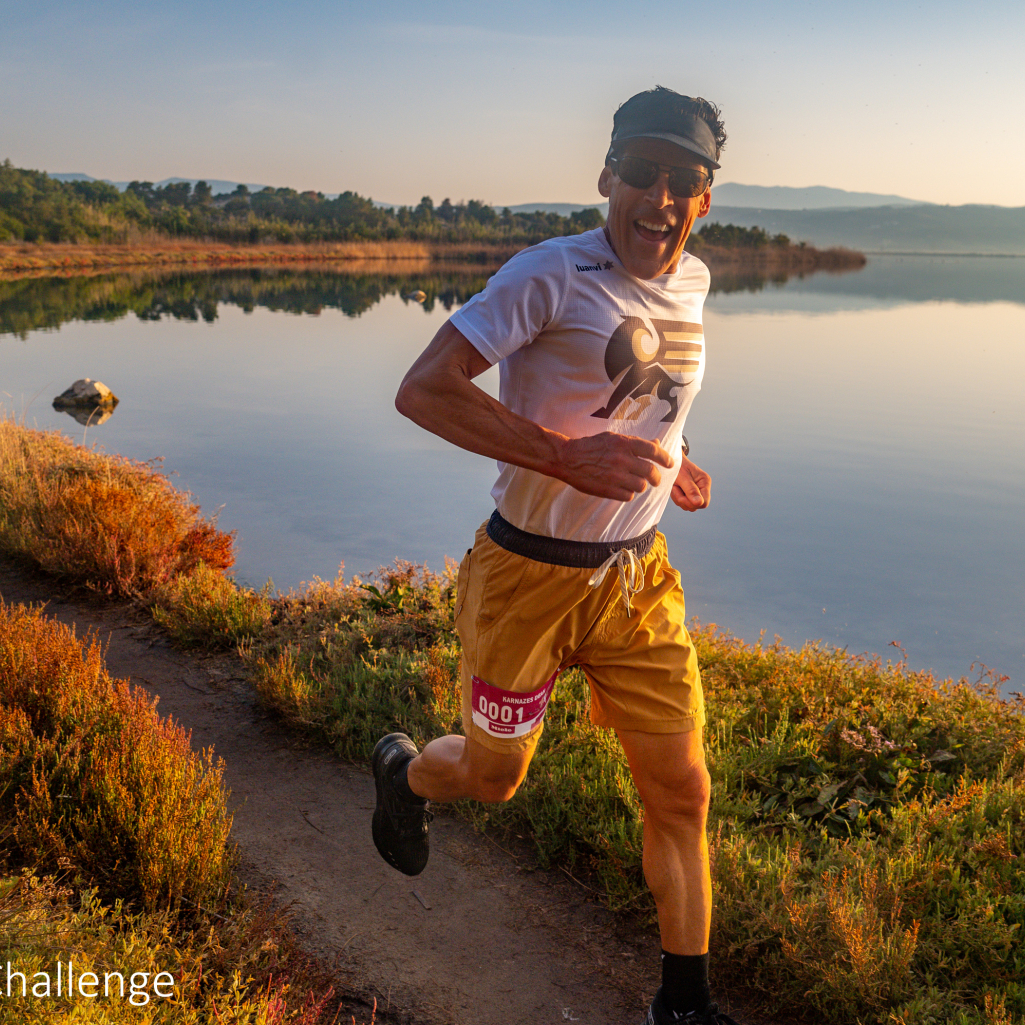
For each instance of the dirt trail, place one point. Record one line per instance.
(475, 940)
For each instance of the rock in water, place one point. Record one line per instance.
(86, 394)
(418, 296)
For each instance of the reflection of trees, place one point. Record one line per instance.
(30, 304)
(733, 281)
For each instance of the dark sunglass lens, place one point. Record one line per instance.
(637, 173)
(685, 181)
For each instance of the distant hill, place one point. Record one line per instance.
(995, 230)
(813, 197)
(218, 185)
(562, 209)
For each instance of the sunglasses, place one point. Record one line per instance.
(638, 173)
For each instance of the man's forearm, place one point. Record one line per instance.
(438, 393)
(447, 403)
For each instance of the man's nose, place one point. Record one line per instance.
(659, 193)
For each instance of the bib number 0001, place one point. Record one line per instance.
(496, 714)
(506, 713)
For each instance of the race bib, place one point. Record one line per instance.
(506, 713)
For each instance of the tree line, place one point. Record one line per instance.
(37, 208)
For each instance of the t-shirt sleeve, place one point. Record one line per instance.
(519, 302)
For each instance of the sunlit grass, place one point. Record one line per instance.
(239, 969)
(94, 778)
(866, 828)
(98, 519)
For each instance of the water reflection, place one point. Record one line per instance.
(888, 281)
(32, 303)
(88, 417)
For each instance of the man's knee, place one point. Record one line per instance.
(494, 777)
(495, 790)
(680, 795)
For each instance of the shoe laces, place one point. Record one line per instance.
(411, 815)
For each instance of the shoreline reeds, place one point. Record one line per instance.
(72, 258)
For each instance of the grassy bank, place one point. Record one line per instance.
(158, 251)
(115, 855)
(17, 259)
(867, 834)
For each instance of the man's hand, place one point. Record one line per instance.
(693, 487)
(611, 465)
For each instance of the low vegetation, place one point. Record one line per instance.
(867, 823)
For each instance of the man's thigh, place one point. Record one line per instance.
(642, 668)
(519, 622)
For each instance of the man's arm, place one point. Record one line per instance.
(438, 393)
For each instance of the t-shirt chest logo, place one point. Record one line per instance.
(639, 365)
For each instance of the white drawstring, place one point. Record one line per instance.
(623, 559)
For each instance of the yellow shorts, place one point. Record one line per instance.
(521, 622)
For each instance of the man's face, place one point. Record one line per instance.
(649, 226)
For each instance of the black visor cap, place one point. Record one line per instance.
(690, 133)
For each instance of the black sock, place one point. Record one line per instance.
(685, 983)
(401, 784)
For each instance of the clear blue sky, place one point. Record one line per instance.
(512, 103)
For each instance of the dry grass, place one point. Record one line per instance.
(774, 260)
(102, 520)
(240, 970)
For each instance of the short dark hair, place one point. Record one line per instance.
(664, 106)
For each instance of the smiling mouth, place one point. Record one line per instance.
(653, 231)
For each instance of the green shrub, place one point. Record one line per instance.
(206, 609)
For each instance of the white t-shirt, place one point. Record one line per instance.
(585, 347)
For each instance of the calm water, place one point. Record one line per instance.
(865, 434)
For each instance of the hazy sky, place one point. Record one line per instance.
(512, 102)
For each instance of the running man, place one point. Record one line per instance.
(601, 350)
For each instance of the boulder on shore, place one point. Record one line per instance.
(86, 394)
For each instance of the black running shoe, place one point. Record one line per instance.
(711, 1015)
(400, 825)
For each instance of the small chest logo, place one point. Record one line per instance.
(607, 265)
(642, 364)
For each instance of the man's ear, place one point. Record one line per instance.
(605, 181)
(706, 202)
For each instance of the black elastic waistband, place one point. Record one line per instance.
(557, 551)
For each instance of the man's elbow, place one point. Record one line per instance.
(408, 397)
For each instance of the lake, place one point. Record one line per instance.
(865, 433)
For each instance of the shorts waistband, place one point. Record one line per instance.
(557, 551)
